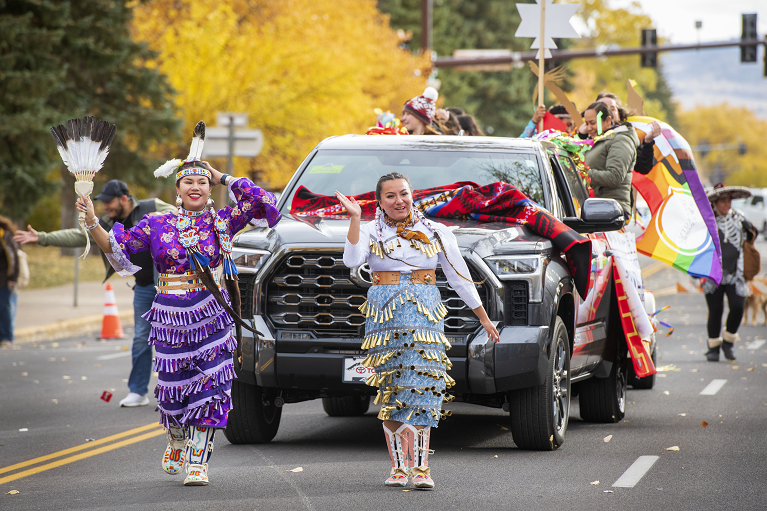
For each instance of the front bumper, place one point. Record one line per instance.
(519, 360)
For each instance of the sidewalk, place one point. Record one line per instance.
(45, 314)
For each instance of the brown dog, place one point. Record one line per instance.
(756, 301)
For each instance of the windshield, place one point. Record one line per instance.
(354, 172)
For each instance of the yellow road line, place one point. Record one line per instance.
(78, 448)
(81, 456)
(655, 268)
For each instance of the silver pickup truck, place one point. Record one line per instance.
(304, 301)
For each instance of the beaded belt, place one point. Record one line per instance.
(179, 283)
(392, 278)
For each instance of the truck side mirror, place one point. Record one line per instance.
(597, 215)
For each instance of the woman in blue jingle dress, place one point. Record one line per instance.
(404, 329)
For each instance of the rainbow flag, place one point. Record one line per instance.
(682, 231)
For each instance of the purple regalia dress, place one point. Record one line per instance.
(191, 332)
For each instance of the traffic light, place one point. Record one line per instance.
(649, 39)
(748, 33)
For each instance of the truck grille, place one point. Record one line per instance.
(315, 291)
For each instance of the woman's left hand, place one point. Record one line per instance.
(215, 175)
(492, 333)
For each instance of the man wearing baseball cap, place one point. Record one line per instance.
(119, 206)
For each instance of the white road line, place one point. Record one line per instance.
(713, 387)
(114, 355)
(635, 472)
(755, 345)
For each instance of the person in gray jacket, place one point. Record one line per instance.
(613, 156)
(120, 206)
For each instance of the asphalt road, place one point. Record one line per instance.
(51, 402)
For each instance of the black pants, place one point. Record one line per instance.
(715, 303)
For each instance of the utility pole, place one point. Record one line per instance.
(426, 26)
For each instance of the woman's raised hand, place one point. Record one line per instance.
(85, 205)
(351, 205)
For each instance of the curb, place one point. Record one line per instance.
(65, 328)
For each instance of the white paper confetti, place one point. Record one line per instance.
(297, 469)
(673, 448)
(607, 438)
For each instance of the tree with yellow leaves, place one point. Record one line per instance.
(303, 70)
(729, 126)
(620, 27)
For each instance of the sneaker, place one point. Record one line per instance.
(197, 475)
(134, 399)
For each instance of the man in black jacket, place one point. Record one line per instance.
(120, 206)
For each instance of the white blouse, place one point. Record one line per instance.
(356, 255)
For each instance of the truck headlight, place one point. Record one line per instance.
(249, 260)
(510, 267)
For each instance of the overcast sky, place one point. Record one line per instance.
(675, 19)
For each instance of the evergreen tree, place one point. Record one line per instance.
(499, 100)
(70, 59)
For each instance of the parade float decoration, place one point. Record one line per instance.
(83, 146)
(545, 22)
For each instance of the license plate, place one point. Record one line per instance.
(354, 371)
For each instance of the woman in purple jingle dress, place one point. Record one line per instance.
(192, 330)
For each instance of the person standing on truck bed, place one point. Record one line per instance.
(120, 206)
(404, 329)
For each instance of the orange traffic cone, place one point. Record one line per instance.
(110, 325)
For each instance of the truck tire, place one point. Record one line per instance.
(604, 399)
(647, 382)
(539, 415)
(347, 406)
(254, 418)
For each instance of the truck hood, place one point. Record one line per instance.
(483, 238)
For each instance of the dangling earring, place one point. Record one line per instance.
(210, 204)
(178, 201)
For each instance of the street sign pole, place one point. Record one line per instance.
(229, 139)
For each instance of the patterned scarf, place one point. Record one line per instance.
(403, 230)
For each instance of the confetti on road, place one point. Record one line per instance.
(13, 492)
(67, 377)
(24, 429)
(25, 373)
(56, 345)
(83, 378)
(693, 370)
(297, 469)
(666, 392)
(495, 456)
(673, 448)
(704, 424)
(608, 491)
(669, 367)
(735, 367)
(683, 415)
(594, 483)
(607, 438)
(90, 439)
(106, 396)
(55, 401)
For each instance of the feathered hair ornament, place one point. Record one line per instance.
(83, 146)
(189, 166)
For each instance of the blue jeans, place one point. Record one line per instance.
(6, 318)
(138, 381)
